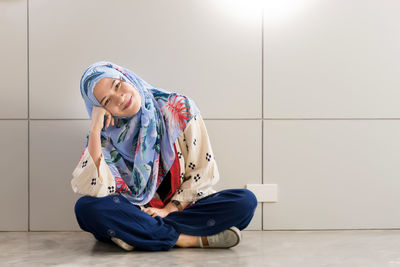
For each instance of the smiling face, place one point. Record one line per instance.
(114, 95)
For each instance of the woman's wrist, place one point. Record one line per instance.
(176, 207)
(95, 129)
(170, 207)
(177, 204)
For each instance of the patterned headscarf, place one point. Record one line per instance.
(137, 146)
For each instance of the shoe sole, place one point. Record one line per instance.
(238, 234)
(122, 244)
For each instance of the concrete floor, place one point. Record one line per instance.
(350, 248)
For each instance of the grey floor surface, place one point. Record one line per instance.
(350, 248)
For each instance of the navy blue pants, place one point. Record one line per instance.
(114, 215)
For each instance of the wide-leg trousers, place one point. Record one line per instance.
(115, 216)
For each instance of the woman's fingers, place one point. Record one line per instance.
(147, 210)
(111, 121)
(109, 117)
(150, 212)
(153, 213)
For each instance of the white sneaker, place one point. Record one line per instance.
(122, 244)
(225, 239)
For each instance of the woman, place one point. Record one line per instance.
(155, 151)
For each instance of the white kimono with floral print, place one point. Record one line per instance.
(199, 171)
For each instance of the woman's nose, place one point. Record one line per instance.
(120, 100)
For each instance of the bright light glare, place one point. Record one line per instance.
(283, 10)
(242, 10)
(274, 10)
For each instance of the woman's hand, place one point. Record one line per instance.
(98, 114)
(156, 212)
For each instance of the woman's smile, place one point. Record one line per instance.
(129, 103)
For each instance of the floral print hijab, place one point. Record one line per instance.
(140, 148)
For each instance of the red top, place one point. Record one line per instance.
(169, 185)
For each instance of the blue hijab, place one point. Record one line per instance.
(137, 146)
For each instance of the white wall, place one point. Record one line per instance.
(302, 96)
(331, 108)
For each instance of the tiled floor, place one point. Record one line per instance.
(350, 248)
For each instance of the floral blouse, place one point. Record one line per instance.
(199, 171)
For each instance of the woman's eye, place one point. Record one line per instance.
(117, 86)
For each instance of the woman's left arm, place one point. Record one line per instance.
(201, 170)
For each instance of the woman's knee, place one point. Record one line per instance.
(250, 199)
(80, 205)
(85, 207)
(244, 199)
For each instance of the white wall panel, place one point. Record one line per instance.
(13, 60)
(332, 174)
(331, 59)
(14, 175)
(193, 47)
(55, 150)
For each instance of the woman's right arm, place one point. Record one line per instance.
(94, 147)
(94, 143)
